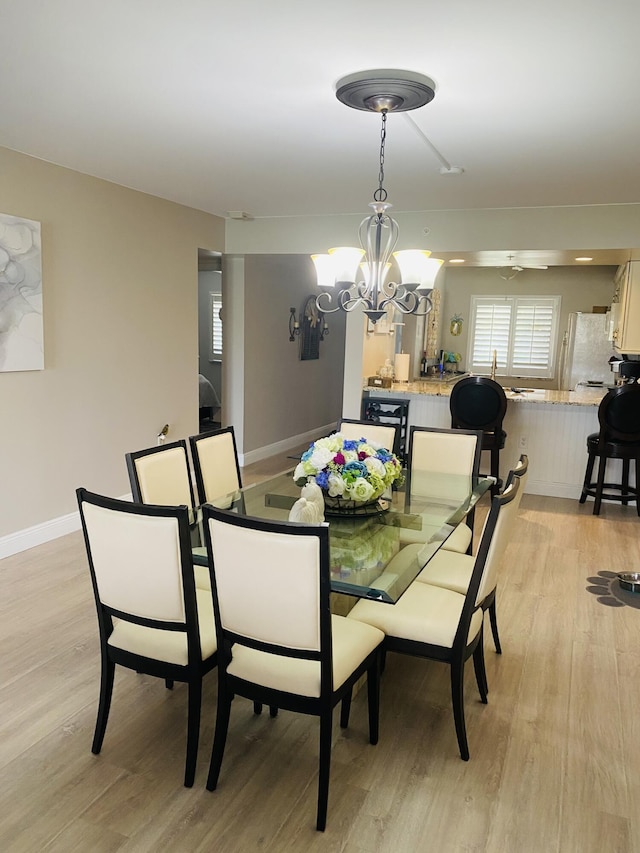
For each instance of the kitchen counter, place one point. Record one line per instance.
(551, 427)
(584, 396)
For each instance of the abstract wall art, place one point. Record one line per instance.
(21, 328)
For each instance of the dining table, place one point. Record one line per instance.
(369, 557)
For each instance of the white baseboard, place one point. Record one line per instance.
(281, 446)
(22, 540)
(554, 490)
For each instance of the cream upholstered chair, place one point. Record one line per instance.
(282, 647)
(443, 625)
(150, 615)
(454, 571)
(161, 476)
(386, 435)
(215, 463)
(434, 455)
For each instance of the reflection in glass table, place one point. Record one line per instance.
(366, 552)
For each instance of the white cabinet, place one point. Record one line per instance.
(625, 311)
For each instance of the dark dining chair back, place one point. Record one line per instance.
(477, 402)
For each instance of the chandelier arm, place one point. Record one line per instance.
(320, 305)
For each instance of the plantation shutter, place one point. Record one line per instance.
(216, 325)
(532, 337)
(522, 330)
(491, 332)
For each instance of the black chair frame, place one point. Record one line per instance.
(461, 651)
(191, 674)
(322, 707)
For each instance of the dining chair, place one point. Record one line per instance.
(215, 463)
(454, 570)
(151, 616)
(618, 438)
(478, 402)
(161, 476)
(435, 455)
(280, 645)
(442, 625)
(386, 435)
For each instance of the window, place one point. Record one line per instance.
(215, 309)
(521, 329)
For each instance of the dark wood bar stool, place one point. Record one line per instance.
(480, 403)
(619, 438)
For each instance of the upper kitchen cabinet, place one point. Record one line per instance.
(625, 310)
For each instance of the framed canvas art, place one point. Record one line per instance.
(21, 327)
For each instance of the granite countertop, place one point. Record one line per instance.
(584, 396)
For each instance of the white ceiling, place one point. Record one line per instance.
(232, 108)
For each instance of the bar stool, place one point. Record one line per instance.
(619, 438)
(480, 403)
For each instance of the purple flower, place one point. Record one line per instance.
(339, 459)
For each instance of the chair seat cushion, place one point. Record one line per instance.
(614, 449)
(169, 646)
(352, 643)
(425, 614)
(460, 539)
(202, 577)
(450, 570)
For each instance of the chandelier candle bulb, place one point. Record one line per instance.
(402, 366)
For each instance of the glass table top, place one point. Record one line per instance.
(377, 555)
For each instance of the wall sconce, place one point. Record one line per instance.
(294, 326)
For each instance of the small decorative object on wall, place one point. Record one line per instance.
(455, 327)
(311, 328)
(21, 329)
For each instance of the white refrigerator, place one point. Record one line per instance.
(585, 351)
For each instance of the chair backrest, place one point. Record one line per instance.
(437, 454)
(160, 475)
(477, 402)
(215, 463)
(521, 471)
(140, 562)
(386, 435)
(495, 537)
(619, 414)
(271, 586)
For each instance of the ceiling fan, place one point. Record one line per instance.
(511, 271)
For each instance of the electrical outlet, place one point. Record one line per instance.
(522, 444)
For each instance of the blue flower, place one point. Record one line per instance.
(358, 468)
(307, 454)
(349, 444)
(383, 454)
(322, 479)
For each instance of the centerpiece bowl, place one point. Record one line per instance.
(353, 474)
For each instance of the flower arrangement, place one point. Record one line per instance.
(348, 469)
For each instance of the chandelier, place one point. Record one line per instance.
(337, 271)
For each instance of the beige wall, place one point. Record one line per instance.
(580, 288)
(284, 396)
(120, 325)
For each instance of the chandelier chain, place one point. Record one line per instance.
(381, 194)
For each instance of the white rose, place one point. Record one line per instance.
(336, 485)
(320, 457)
(375, 466)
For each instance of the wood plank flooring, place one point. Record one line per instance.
(555, 755)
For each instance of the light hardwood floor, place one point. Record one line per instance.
(555, 755)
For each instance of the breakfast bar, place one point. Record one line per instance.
(551, 427)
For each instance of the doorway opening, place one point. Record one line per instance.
(210, 339)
